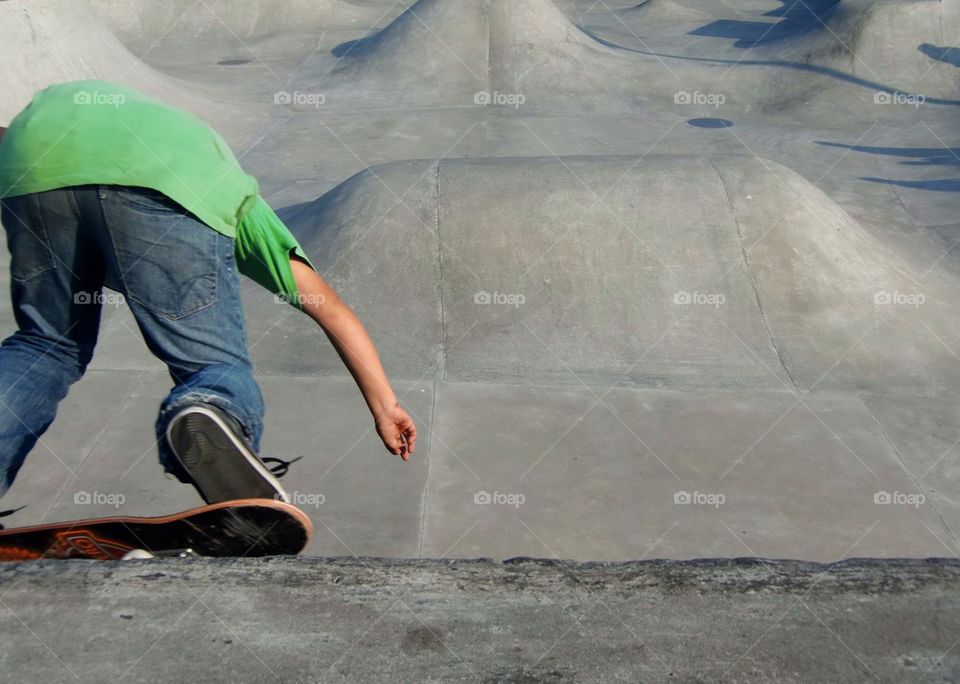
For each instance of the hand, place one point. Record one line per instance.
(397, 431)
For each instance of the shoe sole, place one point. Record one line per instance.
(220, 465)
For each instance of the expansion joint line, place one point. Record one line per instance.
(917, 482)
(753, 281)
(489, 39)
(443, 316)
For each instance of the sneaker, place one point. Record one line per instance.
(209, 444)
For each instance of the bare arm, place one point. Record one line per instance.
(356, 349)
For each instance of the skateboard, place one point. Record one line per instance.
(245, 527)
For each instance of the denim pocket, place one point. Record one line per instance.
(168, 260)
(145, 201)
(27, 240)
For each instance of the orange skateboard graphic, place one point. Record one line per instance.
(246, 527)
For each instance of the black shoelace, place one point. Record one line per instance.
(4, 514)
(280, 467)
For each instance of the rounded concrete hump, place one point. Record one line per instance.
(46, 42)
(435, 46)
(454, 51)
(532, 41)
(142, 23)
(901, 45)
(583, 269)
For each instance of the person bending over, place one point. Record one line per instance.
(102, 186)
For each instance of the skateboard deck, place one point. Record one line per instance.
(246, 527)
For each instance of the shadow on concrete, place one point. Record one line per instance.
(775, 63)
(356, 47)
(366, 43)
(947, 55)
(797, 17)
(913, 156)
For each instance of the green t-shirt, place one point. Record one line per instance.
(97, 132)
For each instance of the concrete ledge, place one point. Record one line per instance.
(526, 620)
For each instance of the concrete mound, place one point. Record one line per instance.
(878, 42)
(47, 42)
(37, 52)
(534, 46)
(590, 259)
(435, 45)
(821, 46)
(143, 23)
(446, 51)
(887, 44)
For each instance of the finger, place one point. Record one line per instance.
(396, 445)
(411, 435)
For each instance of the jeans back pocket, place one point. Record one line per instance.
(168, 260)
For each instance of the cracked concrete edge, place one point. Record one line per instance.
(874, 576)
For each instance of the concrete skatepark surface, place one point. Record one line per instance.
(348, 620)
(674, 279)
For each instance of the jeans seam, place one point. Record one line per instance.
(72, 199)
(123, 280)
(43, 237)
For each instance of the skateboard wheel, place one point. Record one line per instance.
(137, 554)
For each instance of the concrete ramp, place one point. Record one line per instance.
(884, 40)
(49, 41)
(446, 51)
(143, 22)
(877, 44)
(36, 52)
(435, 46)
(585, 269)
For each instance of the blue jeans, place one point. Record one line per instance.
(177, 275)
